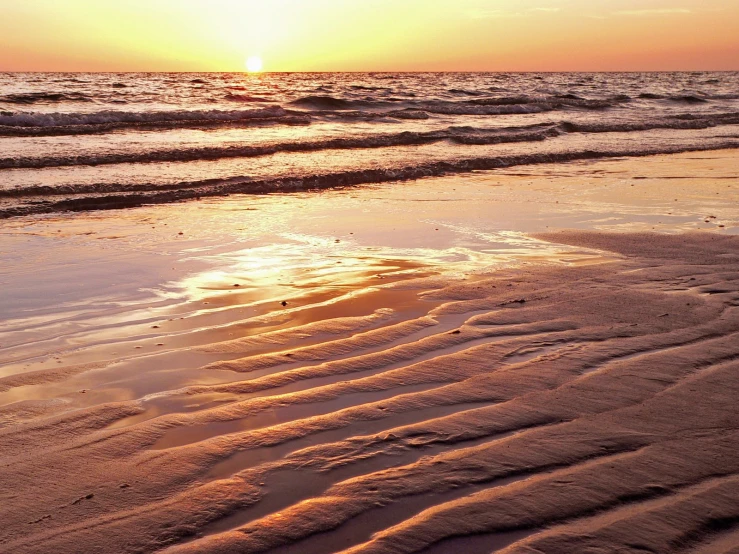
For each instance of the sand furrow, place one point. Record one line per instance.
(703, 511)
(591, 400)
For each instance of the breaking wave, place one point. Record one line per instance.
(24, 119)
(456, 134)
(51, 124)
(120, 195)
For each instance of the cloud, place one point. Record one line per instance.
(493, 14)
(662, 11)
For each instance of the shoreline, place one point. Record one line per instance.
(119, 197)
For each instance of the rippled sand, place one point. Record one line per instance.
(448, 373)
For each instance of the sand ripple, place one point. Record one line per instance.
(557, 409)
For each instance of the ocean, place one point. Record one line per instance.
(410, 313)
(84, 141)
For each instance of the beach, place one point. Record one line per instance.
(536, 358)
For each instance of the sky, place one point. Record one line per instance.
(369, 35)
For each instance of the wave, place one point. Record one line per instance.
(365, 87)
(681, 121)
(451, 108)
(245, 98)
(112, 116)
(456, 134)
(290, 117)
(408, 114)
(688, 98)
(329, 103)
(325, 106)
(467, 92)
(506, 100)
(118, 196)
(556, 101)
(44, 97)
(498, 105)
(460, 135)
(518, 105)
(42, 124)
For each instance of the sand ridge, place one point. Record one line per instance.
(575, 407)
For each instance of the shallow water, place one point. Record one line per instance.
(101, 141)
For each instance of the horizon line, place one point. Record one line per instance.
(389, 71)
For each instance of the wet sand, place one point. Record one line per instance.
(451, 371)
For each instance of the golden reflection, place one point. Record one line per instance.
(284, 272)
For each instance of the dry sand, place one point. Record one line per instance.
(470, 389)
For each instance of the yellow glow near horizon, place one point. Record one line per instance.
(254, 64)
(369, 35)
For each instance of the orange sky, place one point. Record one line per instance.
(369, 35)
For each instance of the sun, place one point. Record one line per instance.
(254, 64)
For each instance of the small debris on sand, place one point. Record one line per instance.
(86, 497)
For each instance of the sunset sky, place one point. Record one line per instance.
(369, 35)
